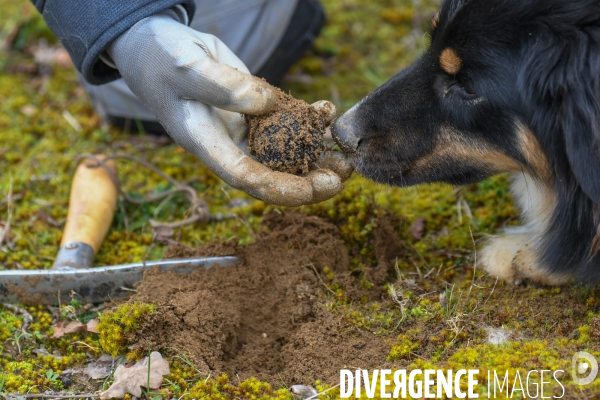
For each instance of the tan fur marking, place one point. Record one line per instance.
(533, 153)
(435, 21)
(452, 145)
(450, 61)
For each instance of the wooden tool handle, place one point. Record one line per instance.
(92, 205)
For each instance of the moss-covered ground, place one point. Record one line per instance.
(363, 44)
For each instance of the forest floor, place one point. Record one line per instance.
(376, 277)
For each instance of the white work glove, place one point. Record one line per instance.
(197, 87)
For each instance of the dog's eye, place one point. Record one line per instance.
(464, 91)
(467, 92)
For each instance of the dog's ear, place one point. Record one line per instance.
(560, 82)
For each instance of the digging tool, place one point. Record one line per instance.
(92, 204)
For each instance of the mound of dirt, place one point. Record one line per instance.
(266, 317)
(288, 139)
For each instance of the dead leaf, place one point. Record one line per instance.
(92, 325)
(130, 380)
(42, 350)
(418, 228)
(61, 330)
(100, 368)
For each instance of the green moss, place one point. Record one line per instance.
(9, 323)
(27, 372)
(363, 44)
(402, 349)
(116, 326)
(585, 334)
(221, 388)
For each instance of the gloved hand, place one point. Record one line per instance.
(197, 87)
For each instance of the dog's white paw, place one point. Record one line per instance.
(514, 258)
(498, 255)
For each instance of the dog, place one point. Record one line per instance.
(505, 86)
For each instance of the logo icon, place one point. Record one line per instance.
(584, 368)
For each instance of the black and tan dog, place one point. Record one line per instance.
(506, 86)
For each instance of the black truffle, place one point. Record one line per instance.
(289, 139)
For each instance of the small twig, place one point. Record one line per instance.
(491, 293)
(27, 318)
(323, 392)
(84, 344)
(310, 264)
(418, 270)
(245, 222)
(468, 210)
(439, 269)
(426, 294)
(183, 357)
(455, 336)
(149, 361)
(393, 293)
(416, 355)
(71, 120)
(475, 262)
(399, 274)
(178, 224)
(429, 273)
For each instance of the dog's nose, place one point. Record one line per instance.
(345, 134)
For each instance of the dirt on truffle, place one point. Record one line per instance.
(266, 317)
(288, 139)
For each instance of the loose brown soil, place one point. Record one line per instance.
(265, 318)
(276, 317)
(289, 139)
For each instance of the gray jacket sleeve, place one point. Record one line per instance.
(86, 27)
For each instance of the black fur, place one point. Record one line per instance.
(524, 63)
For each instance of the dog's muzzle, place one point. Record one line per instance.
(345, 133)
